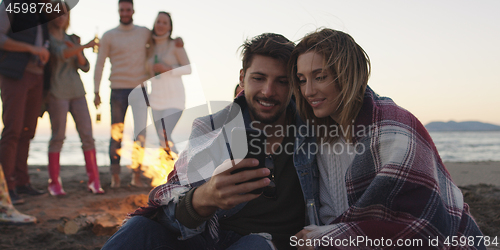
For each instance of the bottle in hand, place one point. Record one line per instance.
(98, 115)
(96, 48)
(156, 61)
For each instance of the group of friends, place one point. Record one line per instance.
(381, 177)
(39, 72)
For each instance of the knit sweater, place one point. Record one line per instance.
(333, 161)
(125, 46)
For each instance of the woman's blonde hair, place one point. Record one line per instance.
(350, 66)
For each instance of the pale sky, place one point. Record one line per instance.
(438, 59)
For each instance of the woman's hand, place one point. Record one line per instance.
(303, 235)
(91, 44)
(161, 68)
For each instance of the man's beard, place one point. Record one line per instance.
(266, 120)
(127, 23)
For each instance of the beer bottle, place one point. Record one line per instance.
(96, 39)
(98, 115)
(156, 61)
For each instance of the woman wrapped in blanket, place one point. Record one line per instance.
(381, 177)
(67, 94)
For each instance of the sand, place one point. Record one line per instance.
(473, 173)
(479, 181)
(54, 211)
(480, 185)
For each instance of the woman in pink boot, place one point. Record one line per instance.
(67, 94)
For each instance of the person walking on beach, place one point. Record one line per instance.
(125, 46)
(67, 94)
(23, 59)
(168, 63)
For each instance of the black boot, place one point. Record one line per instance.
(28, 189)
(15, 198)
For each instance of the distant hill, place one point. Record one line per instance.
(461, 126)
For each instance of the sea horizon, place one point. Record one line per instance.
(470, 146)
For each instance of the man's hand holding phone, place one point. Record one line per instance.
(225, 189)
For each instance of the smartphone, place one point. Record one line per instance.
(248, 143)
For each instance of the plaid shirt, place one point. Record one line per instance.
(398, 187)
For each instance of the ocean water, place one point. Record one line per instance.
(72, 153)
(452, 147)
(467, 146)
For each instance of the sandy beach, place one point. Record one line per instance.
(479, 182)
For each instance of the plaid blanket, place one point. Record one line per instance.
(398, 188)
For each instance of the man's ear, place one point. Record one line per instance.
(242, 77)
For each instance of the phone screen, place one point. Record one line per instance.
(247, 143)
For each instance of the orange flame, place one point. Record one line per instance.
(117, 134)
(162, 163)
(156, 163)
(137, 153)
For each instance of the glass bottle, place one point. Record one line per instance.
(98, 115)
(96, 39)
(156, 61)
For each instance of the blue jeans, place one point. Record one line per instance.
(143, 233)
(119, 101)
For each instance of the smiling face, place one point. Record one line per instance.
(317, 85)
(126, 11)
(266, 89)
(162, 24)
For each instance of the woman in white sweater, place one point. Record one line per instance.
(167, 63)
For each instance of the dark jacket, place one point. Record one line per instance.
(23, 28)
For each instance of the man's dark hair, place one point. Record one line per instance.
(268, 44)
(125, 1)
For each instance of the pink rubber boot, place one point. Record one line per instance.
(55, 183)
(94, 183)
